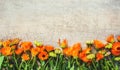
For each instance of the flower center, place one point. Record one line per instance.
(118, 48)
(43, 56)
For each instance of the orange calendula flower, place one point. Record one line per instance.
(34, 51)
(6, 51)
(75, 53)
(43, 55)
(25, 57)
(99, 56)
(26, 45)
(49, 48)
(110, 38)
(83, 55)
(67, 51)
(87, 50)
(14, 41)
(6, 43)
(76, 48)
(13, 47)
(98, 44)
(18, 51)
(64, 44)
(118, 38)
(116, 49)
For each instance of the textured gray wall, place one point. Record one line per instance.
(48, 20)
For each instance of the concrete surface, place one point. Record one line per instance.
(49, 20)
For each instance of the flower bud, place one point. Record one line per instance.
(91, 56)
(38, 43)
(57, 51)
(109, 46)
(52, 54)
(117, 58)
(89, 42)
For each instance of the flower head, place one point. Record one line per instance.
(118, 38)
(98, 44)
(116, 49)
(26, 45)
(49, 48)
(43, 55)
(18, 51)
(83, 55)
(6, 43)
(25, 57)
(75, 49)
(110, 38)
(6, 51)
(34, 51)
(64, 44)
(67, 51)
(99, 56)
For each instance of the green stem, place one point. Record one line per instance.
(33, 62)
(47, 62)
(111, 62)
(20, 65)
(56, 64)
(94, 65)
(15, 61)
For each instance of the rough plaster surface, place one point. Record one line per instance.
(49, 20)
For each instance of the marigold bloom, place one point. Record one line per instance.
(118, 38)
(98, 44)
(75, 49)
(49, 48)
(99, 56)
(13, 47)
(116, 49)
(110, 38)
(34, 51)
(83, 55)
(25, 57)
(6, 51)
(6, 43)
(64, 44)
(26, 45)
(87, 50)
(18, 51)
(43, 55)
(75, 53)
(15, 41)
(67, 51)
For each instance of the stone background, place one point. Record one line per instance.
(49, 20)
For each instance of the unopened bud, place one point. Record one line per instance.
(109, 46)
(57, 51)
(52, 54)
(117, 58)
(91, 56)
(38, 43)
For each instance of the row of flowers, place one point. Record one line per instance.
(24, 55)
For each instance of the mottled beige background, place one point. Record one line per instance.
(48, 20)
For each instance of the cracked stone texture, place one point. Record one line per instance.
(49, 20)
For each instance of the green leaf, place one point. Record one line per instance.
(1, 60)
(72, 68)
